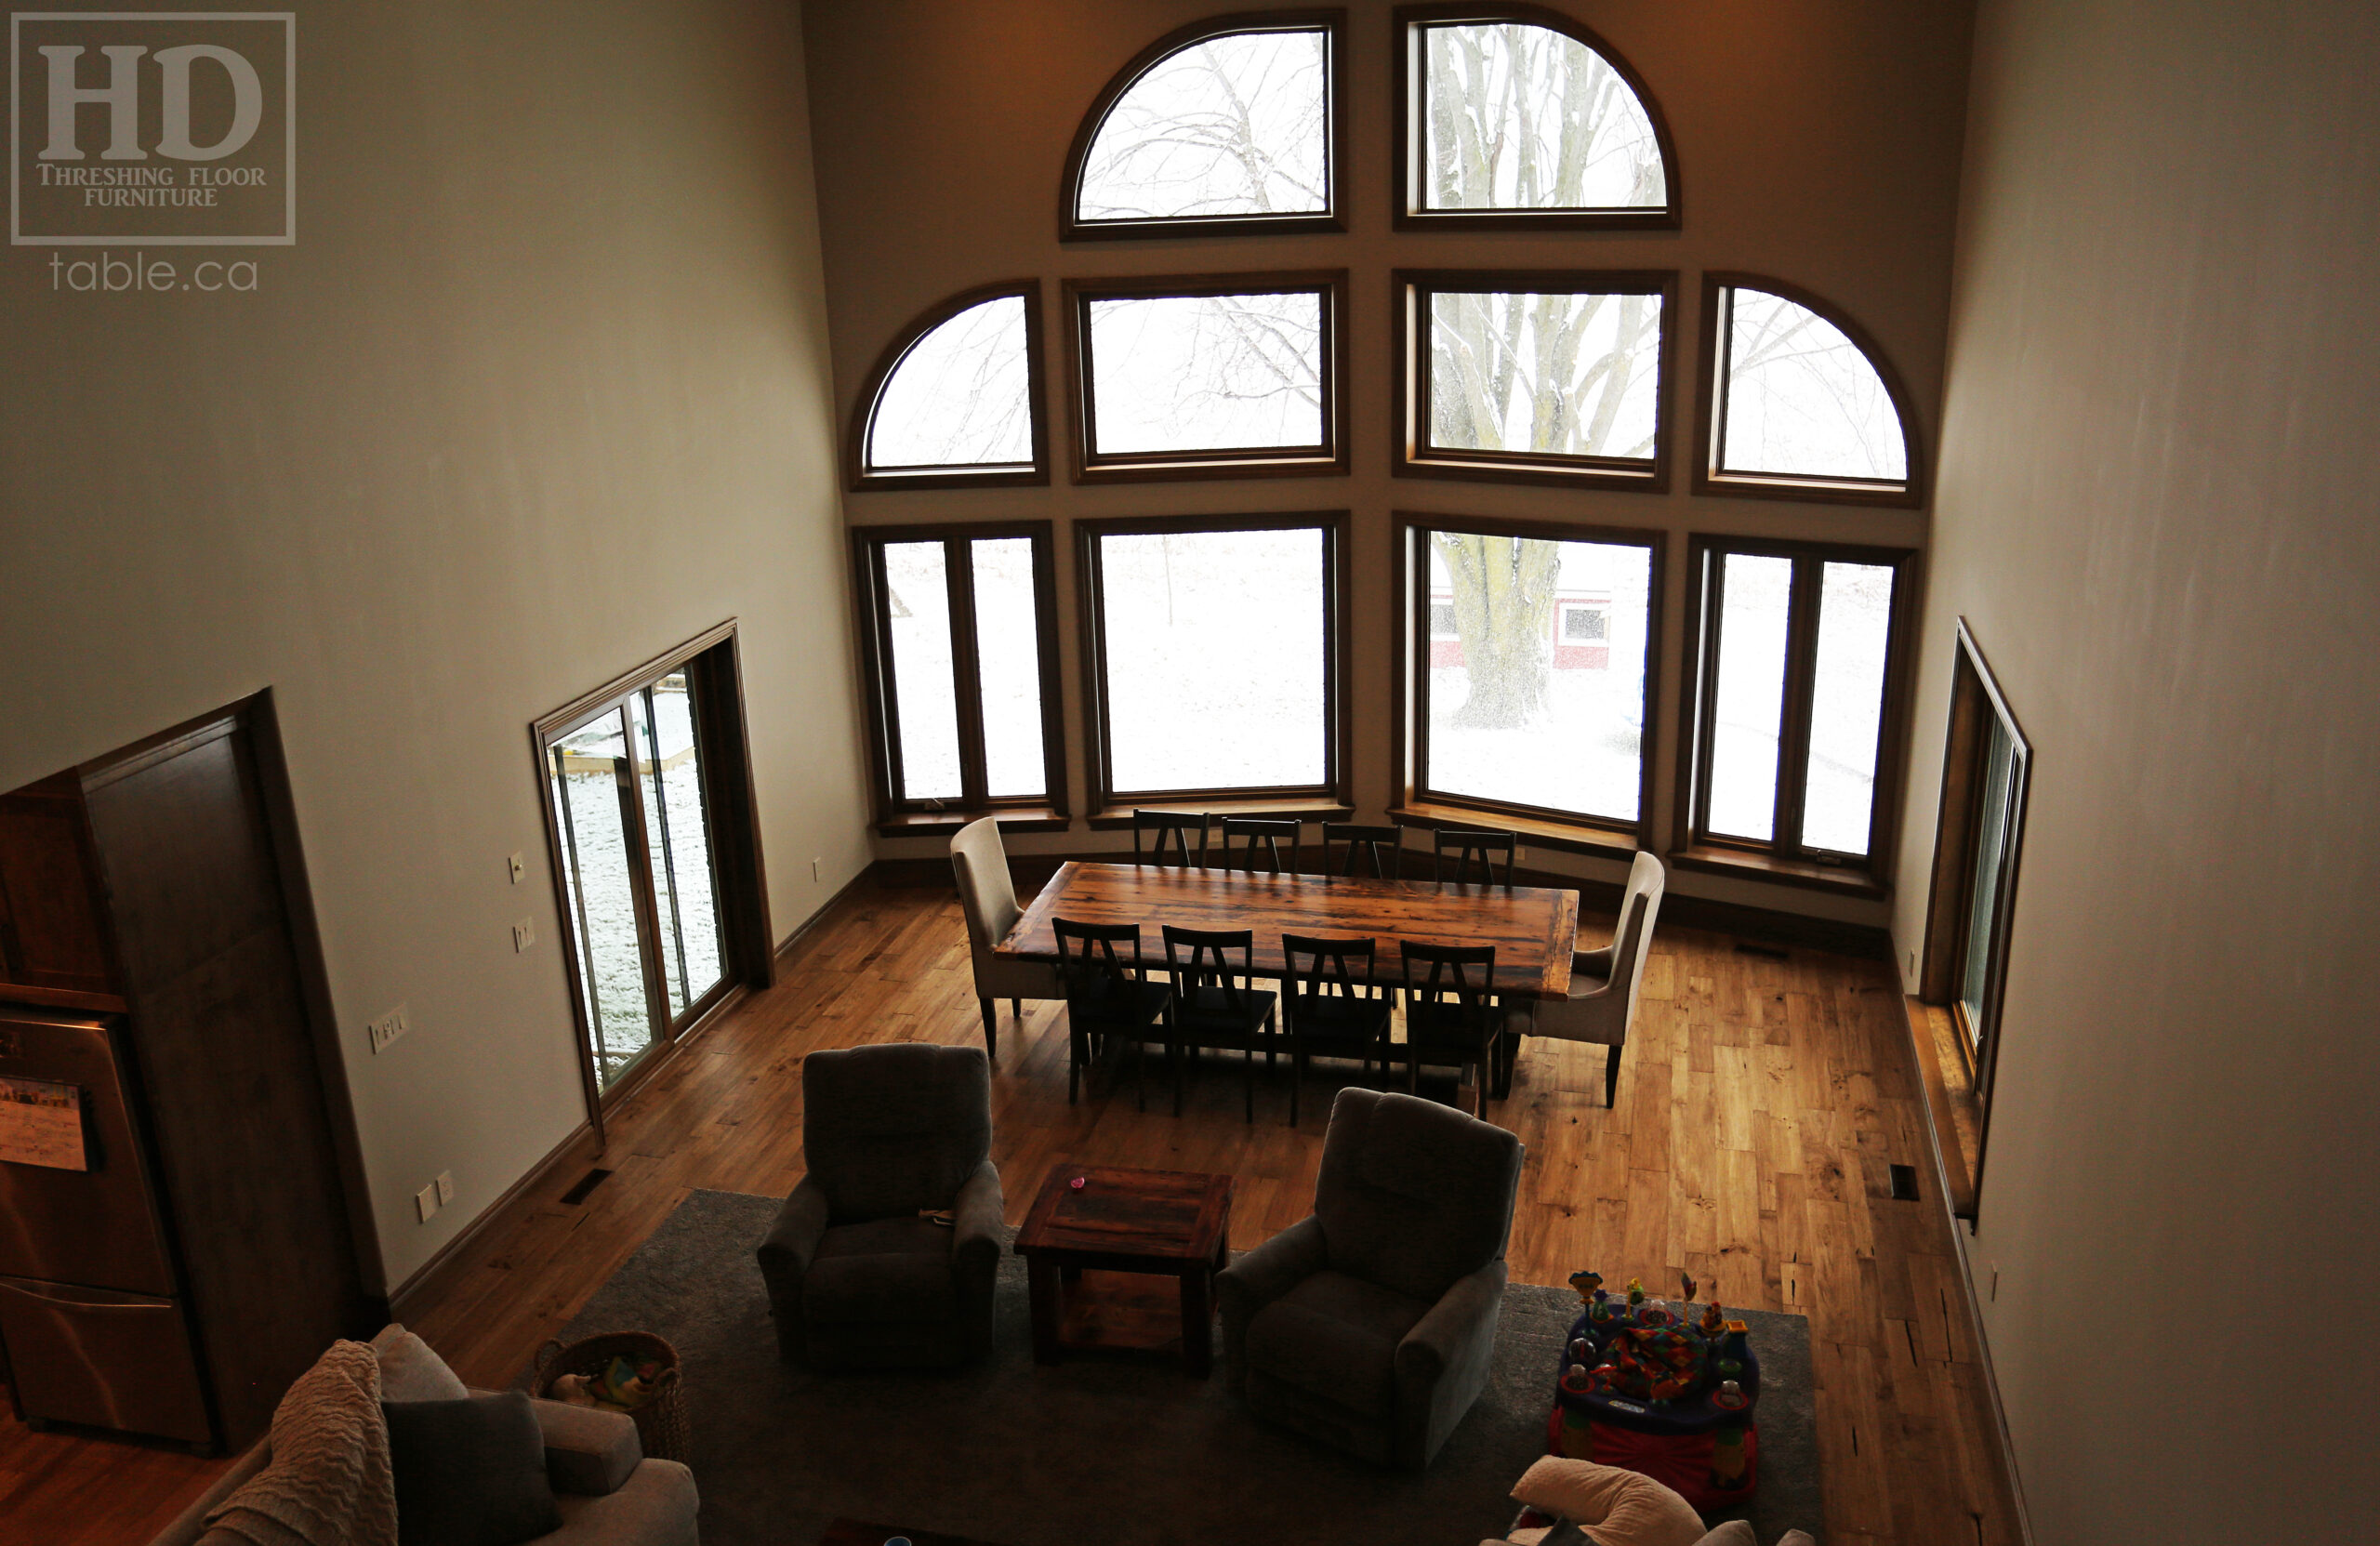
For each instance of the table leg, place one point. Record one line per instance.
(1198, 1320)
(1042, 1287)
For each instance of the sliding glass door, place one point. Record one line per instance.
(640, 890)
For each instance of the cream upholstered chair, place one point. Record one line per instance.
(989, 898)
(1602, 1004)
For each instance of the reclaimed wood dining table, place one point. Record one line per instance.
(1534, 930)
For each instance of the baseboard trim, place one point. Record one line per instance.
(870, 869)
(433, 1279)
(1864, 941)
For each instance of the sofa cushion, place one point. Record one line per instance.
(469, 1472)
(885, 1270)
(889, 1130)
(1617, 1508)
(410, 1372)
(588, 1452)
(656, 1508)
(1336, 1336)
(1414, 1194)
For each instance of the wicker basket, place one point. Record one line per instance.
(660, 1423)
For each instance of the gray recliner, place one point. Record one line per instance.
(1371, 1325)
(857, 1278)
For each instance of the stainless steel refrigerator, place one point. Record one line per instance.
(96, 1326)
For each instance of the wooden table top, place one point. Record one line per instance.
(1534, 931)
(1158, 1215)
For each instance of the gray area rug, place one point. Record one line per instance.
(1107, 1450)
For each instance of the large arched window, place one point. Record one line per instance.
(1516, 115)
(1796, 402)
(956, 400)
(1226, 126)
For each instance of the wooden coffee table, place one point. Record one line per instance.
(1165, 1223)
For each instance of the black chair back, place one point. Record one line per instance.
(1207, 965)
(1340, 969)
(1467, 843)
(1451, 979)
(1381, 847)
(1169, 827)
(1253, 831)
(1094, 970)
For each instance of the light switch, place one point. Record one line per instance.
(425, 1202)
(524, 934)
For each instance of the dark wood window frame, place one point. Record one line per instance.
(1710, 409)
(1407, 212)
(1542, 824)
(1412, 453)
(1332, 217)
(712, 663)
(1976, 699)
(1782, 857)
(1331, 792)
(860, 476)
(1328, 459)
(895, 815)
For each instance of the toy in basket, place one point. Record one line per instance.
(634, 1372)
(1661, 1390)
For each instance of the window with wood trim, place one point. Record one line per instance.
(963, 668)
(1797, 403)
(955, 401)
(1520, 116)
(1534, 376)
(1531, 669)
(1226, 126)
(1215, 651)
(1795, 680)
(1211, 376)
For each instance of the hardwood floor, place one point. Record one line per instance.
(1761, 1106)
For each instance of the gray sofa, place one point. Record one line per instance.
(608, 1493)
(1369, 1325)
(856, 1278)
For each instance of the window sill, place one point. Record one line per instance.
(936, 823)
(1535, 832)
(1119, 818)
(1950, 1102)
(1648, 479)
(1790, 872)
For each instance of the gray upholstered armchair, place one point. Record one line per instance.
(857, 1278)
(1371, 1325)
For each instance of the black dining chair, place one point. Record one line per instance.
(1106, 997)
(1381, 847)
(1213, 1003)
(1168, 829)
(1334, 1005)
(1467, 843)
(1451, 1018)
(1262, 834)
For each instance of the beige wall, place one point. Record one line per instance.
(540, 391)
(2156, 514)
(1818, 142)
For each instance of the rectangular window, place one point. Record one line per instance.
(1794, 676)
(1219, 375)
(1536, 648)
(1215, 650)
(962, 663)
(1539, 377)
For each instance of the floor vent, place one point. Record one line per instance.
(1766, 952)
(1904, 1182)
(594, 1177)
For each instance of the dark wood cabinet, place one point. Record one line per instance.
(158, 883)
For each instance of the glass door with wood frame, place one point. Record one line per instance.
(639, 890)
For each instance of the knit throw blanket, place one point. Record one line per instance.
(329, 1482)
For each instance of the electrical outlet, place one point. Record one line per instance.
(1913, 963)
(386, 1028)
(445, 1185)
(512, 862)
(524, 934)
(425, 1202)
(814, 871)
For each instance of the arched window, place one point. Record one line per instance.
(1798, 404)
(1223, 125)
(1517, 116)
(956, 400)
